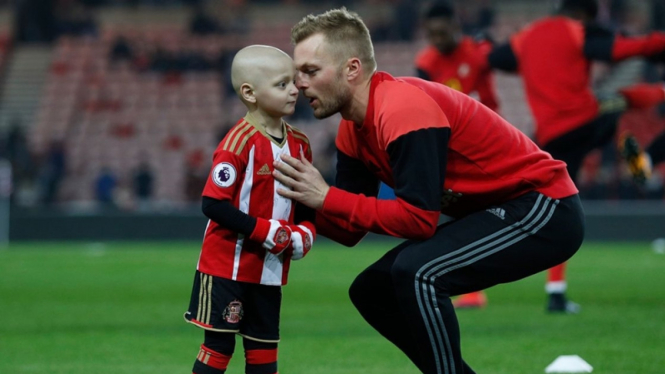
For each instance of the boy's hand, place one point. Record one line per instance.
(275, 236)
(302, 238)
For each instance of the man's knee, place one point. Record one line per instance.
(359, 291)
(371, 287)
(405, 272)
(410, 273)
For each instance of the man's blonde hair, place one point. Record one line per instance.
(344, 31)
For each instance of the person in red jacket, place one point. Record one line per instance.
(516, 211)
(553, 55)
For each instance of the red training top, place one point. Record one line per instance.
(441, 151)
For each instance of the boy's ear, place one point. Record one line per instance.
(247, 93)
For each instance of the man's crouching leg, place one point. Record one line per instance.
(373, 294)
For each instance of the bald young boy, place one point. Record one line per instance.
(253, 233)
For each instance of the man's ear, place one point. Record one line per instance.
(247, 92)
(354, 68)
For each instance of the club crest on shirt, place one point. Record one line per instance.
(223, 174)
(233, 312)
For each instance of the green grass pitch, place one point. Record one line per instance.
(115, 308)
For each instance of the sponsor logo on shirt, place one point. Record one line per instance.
(264, 170)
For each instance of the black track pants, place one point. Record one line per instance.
(405, 295)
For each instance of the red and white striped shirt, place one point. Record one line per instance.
(242, 173)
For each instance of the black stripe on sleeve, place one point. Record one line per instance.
(354, 176)
(418, 160)
(503, 58)
(228, 216)
(598, 43)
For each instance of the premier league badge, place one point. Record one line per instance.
(224, 174)
(233, 312)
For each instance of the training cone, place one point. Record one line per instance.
(569, 364)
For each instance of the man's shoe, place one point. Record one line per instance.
(558, 303)
(473, 300)
(638, 161)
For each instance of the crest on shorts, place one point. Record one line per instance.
(281, 236)
(233, 312)
(224, 174)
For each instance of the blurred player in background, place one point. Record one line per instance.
(460, 62)
(553, 55)
(454, 59)
(253, 233)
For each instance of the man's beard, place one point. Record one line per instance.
(335, 101)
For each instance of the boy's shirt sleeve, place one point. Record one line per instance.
(220, 191)
(225, 214)
(225, 175)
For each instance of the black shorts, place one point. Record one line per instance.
(224, 305)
